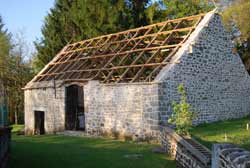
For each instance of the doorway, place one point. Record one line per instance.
(74, 117)
(39, 123)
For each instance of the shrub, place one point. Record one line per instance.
(182, 116)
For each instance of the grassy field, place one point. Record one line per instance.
(235, 131)
(51, 151)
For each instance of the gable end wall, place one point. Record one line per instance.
(48, 100)
(217, 84)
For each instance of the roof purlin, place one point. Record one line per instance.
(131, 56)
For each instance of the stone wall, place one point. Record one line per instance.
(125, 109)
(217, 84)
(187, 152)
(48, 99)
(215, 78)
(230, 156)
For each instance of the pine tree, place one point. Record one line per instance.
(71, 21)
(5, 47)
(138, 12)
(181, 8)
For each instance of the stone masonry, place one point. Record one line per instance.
(230, 156)
(129, 109)
(213, 74)
(51, 101)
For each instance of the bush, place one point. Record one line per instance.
(182, 116)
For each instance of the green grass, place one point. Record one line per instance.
(215, 133)
(52, 151)
(16, 128)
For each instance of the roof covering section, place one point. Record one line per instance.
(136, 55)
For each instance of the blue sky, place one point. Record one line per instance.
(25, 15)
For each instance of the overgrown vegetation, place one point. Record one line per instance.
(182, 116)
(232, 131)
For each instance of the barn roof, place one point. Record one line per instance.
(135, 55)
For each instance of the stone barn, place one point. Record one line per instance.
(126, 82)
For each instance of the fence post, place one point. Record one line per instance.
(215, 155)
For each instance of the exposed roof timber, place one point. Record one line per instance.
(136, 55)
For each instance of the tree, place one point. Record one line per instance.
(5, 47)
(182, 8)
(138, 12)
(15, 71)
(236, 19)
(20, 73)
(182, 116)
(70, 21)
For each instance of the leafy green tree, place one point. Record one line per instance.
(5, 47)
(15, 71)
(236, 19)
(182, 116)
(20, 73)
(182, 8)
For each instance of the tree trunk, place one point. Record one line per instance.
(16, 117)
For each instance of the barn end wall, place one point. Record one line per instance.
(49, 100)
(124, 109)
(217, 84)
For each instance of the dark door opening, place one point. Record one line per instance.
(39, 123)
(74, 117)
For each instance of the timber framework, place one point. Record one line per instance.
(136, 55)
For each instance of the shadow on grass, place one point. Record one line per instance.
(75, 152)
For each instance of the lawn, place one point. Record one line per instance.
(53, 151)
(235, 131)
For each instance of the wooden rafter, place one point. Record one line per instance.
(135, 55)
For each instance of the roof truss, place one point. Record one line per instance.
(135, 55)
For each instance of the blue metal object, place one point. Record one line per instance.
(3, 108)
